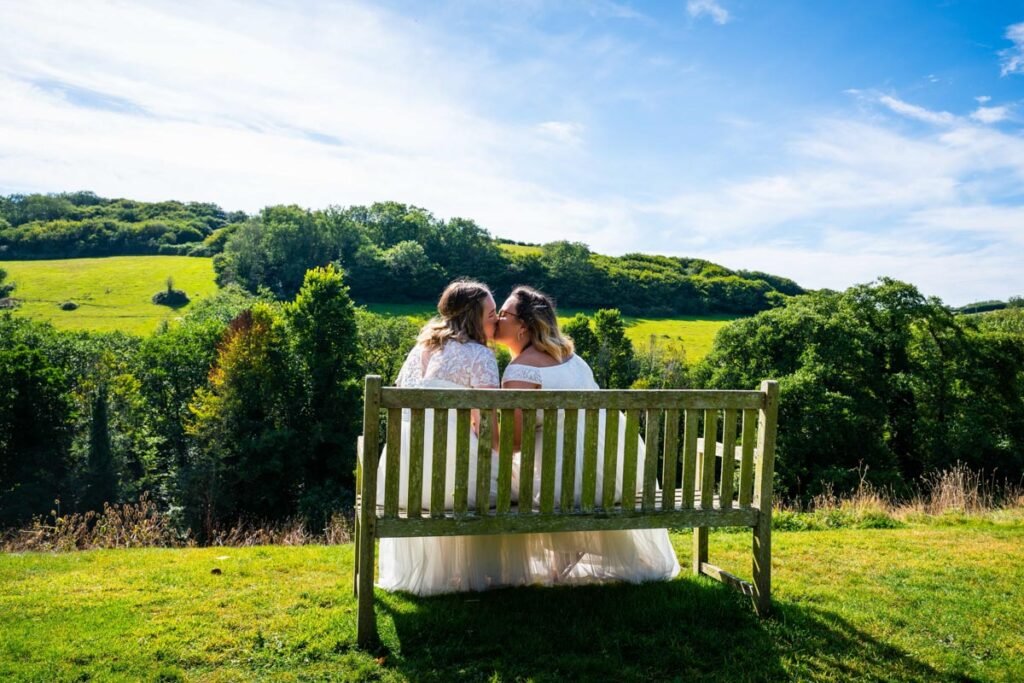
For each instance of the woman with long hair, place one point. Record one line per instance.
(544, 358)
(451, 352)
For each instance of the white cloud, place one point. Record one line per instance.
(1013, 57)
(710, 8)
(564, 132)
(982, 99)
(990, 114)
(915, 112)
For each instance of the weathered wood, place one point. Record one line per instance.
(526, 461)
(700, 548)
(747, 458)
(670, 459)
(462, 428)
(719, 574)
(394, 461)
(707, 485)
(725, 490)
(648, 399)
(570, 432)
(506, 435)
(590, 430)
(415, 497)
(611, 459)
(762, 564)
(690, 457)
(629, 460)
(439, 464)
(651, 459)
(473, 524)
(483, 463)
(355, 523)
(549, 441)
(366, 621)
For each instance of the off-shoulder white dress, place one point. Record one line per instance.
(587, 556)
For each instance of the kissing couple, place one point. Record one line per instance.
(452, 352)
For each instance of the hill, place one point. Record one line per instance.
(112, 293)
(390, 252)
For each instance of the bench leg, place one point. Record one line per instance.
(355, 552)
(763, 565)
(366, 620)
(700, 547)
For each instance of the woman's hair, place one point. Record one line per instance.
(460, 314)
(536, 310)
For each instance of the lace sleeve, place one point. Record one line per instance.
(410, 372)
(483, 368)
(522, 373)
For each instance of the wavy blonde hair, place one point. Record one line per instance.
(536, 310)
(460, 313)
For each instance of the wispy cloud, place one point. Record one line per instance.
(709, 8)
(916, 112)
(990, 114)
(565, 132)
(1013, 57)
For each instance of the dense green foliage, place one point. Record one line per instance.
(5, 287)
(881, 377)
(390, 251)
(82, 224)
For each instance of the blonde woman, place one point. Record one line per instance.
(543, 358)
(451, 352)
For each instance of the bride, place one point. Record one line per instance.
(450, 352)
(542, 358)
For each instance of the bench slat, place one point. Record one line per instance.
(462, 428)
(671, 458)
(569, 444)
(747, 458)
(526, 462)
(651, 459)
(611, 458)
(728, 458)
(394, 461)
(690, 457)
(483, 463)
(588, 493)
(438, 464)
(650, 399)
(629, 459)
(505, 455)
(490, 524)
(549, 457)
(707, 471)
(416, 462)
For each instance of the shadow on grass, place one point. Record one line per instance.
(681, 630)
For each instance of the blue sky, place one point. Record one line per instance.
(832, 142)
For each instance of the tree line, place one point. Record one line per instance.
(249, 407)
(390, 252)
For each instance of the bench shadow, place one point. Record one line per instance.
(687, 629)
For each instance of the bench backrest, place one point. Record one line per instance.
(679, 472)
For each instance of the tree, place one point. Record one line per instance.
(5, 287)
(584, 340)
(324, 337)
(386, 341)
(616, 363)
(101, 477)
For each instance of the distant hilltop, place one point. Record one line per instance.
(389, 251)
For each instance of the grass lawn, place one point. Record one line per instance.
(696, 333)
(920, 603)
(113, 293)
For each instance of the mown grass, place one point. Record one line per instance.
(112, 293)
(520, 249)
(695, 333)
(921, 603)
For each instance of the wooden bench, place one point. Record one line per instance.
(695, 491)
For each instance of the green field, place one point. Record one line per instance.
(696, 333)
(922, 603)
(519, 249)
(113, 293)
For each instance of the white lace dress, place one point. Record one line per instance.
(587, 556)
(426, 566)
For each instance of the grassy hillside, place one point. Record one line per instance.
(923, 603)
(113, 293)
(696, 333)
